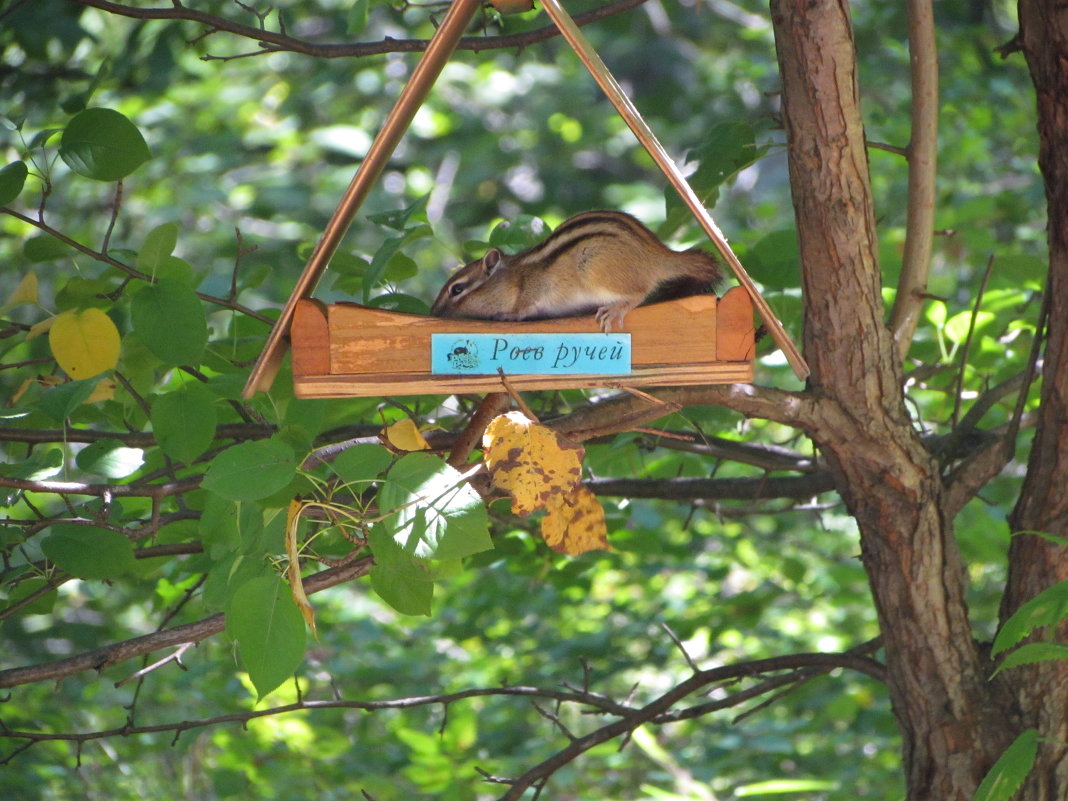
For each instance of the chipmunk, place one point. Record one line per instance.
(599, 260)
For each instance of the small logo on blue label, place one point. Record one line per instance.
(535, 354)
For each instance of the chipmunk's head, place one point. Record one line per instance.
(476, 290)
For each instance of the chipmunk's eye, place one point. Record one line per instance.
(457, 289)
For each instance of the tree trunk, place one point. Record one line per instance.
(1041, 690)
(891, 484)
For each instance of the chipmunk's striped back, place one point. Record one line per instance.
(603, 260)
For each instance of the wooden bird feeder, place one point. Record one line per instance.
(347, 350)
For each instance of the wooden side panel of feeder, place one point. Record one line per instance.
(348, 350)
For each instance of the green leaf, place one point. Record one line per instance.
(110, 458)
(402, 593)
(1009, 772)
(227, 526)
(159, 244)
(725, 149)
(41, 464)
(44, 248)
(184, 422)
(12, 179)
(88, 552)
(958, 325)
(399, 302)
(438, 516)
(362, 462)
(26, 588)
(780, 786)
(397, 219)
(60, 402)
(101, 144)
(269, 631)
(1033, 652)
(1047, 608)
(40, 139)
(1045, 535)
(169, 318)
(227, 575)
(775, 260)
(358, 16)
(251, 470)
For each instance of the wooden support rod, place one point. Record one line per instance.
(629, 112)
(411, 98)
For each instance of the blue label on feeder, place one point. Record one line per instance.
(537, 354)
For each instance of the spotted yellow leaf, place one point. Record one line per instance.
(575, 523)
(84, 343)
(530, 462)
(404, 436)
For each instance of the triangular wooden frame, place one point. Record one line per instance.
(437, 54)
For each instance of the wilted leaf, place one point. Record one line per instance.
(404, 436)
(530, 462)
(296, 585)
(575, 523)
(84, 343)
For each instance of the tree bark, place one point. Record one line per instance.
(1041, 690)
(891, 484)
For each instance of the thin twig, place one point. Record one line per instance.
(967, 346)
(270, 41)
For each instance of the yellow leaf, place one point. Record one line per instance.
(84, 343)
(404, 436)
(575, 523)
(530, 462)
(104, 390)
(296, 584)
(40, 328)
(25, 292)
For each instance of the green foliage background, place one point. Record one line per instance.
(265, 145)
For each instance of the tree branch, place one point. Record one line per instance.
(922, 158)
(715, 489)
(271, 41)
(803, 665)
(100, 659)
(541, 772)
(131, 271)
(104, 490)
(625, 412)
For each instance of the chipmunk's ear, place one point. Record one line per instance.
(491, 260)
